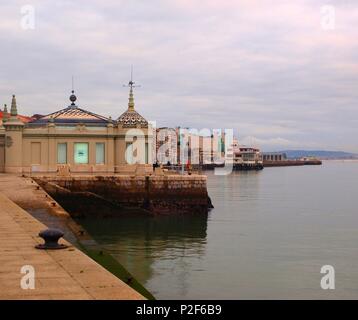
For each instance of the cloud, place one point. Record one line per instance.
(265, 68)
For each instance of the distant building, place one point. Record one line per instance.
(166, 146)
(274, 156)
(187, 146)
(247, 157)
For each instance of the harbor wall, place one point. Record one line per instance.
(287, 163)
(162, 194)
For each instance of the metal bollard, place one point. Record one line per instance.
(51, 237)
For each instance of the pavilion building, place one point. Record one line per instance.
(75, 140)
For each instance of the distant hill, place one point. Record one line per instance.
(293, 154)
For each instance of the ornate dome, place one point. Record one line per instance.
(132, 118)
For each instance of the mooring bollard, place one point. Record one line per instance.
(51, 237)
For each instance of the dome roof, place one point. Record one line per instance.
(72, 115)
(132, 118)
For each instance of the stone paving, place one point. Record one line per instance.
(59, 274)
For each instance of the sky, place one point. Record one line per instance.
(282, 74)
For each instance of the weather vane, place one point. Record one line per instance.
(131, 83)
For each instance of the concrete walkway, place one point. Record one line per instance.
(26, 194)
(59, 274)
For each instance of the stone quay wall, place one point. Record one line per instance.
(162, 194)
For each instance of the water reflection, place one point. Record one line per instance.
(146, 245)
(267, 238)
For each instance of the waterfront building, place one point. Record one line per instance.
(274, 156)
(188, 146)
(207, 150)
(244, 157)
(177, 146)
(248, 155)
(74, 140)
(166, 146)
(182, 146)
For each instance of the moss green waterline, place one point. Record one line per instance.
(107, 261)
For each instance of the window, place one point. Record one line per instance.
(99, 153)
(81, 153)
(62, 153)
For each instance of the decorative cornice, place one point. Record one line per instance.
(98, 136)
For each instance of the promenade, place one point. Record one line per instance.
(59, 274)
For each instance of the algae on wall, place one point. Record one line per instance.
(112, 265)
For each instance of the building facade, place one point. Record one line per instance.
(245, 157)
(166, 146)
(274, 156)
(74, 140)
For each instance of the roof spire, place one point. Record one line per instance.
(5, 114)
(13, 109)
(131, 85)
(131, 99)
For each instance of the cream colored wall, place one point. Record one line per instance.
(13, 151)
(49, 154)
(21, 154)
(28, 166)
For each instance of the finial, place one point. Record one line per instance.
(5, 114)
(13, 109)
(73, 98)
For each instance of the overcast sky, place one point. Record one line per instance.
(275, 71)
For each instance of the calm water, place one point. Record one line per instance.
(268, 236)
